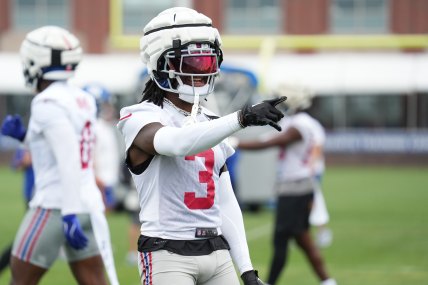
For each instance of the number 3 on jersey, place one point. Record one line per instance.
(205, 176)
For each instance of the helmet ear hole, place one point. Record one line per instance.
(218, 52)
(160, 75)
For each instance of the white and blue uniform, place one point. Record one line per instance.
(294, 161)
(183, 197)
(61, 139)
(71, 112)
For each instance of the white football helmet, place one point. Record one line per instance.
(182, 52)
(50, 53)
(299, 97)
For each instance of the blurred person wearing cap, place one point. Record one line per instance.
(295, 184)
(66, 209)
(192, 229)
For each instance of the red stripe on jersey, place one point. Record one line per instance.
(125, 117)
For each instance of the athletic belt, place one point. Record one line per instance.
(195, 247)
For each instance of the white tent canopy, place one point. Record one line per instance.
(325, 73)
(119, 73)
(345, 73)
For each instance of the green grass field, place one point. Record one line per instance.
(379, 217)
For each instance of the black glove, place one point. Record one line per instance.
(262, 114)
(251, 278)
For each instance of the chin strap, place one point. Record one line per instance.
(190, 120)
(195, 107)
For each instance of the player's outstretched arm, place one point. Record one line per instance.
(198, 137)
(192, 139)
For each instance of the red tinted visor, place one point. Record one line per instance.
(203, 64)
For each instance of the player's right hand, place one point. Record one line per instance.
(73, 232)
(251, 278)
(12, 126)
(262, 114)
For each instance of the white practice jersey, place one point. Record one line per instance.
(176, 194)
(107, 156)
(63, 180)
(294, 162)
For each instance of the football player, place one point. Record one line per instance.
(319, 216)
(67, 208)
(295, 182)
(192, 226)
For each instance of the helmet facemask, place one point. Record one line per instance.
(189, 70)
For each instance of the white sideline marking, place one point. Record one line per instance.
(256, 233)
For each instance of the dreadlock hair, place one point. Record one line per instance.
(152, 93)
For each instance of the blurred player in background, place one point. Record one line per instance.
(295, 184)
(21, 161)
(107, 151)
(319, 216)
(110, 168)
(132, 207)
(67, 208)
(232, 166)
(176, 150)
